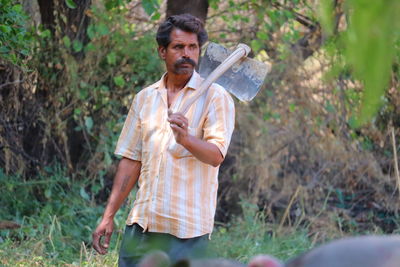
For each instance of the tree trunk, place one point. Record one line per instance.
(72, 22)
(197, 8)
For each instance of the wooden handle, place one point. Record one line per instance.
(241, 51)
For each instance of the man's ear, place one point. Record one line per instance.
(161, 52)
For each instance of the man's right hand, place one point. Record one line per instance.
(105, 230)
(127, 174)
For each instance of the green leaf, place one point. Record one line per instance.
(104, 88)
(103, 29)
(17, 8)
(119, 81)
(112, 58)
(370, 50)
(67, 41)
(90, 47)
(77, 46)
(47, 193)
(91, 31)
(256, 45)
(70, 3)
(45, 34)
(89, 123)
(292, 107)
(83, 93)
(83, 194)
(107, 159)
(150, 6)
(262, 36)
(5, 28)
(4, 49)
(156, 16)
(326, 12)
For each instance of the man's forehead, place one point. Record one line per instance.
(178, 36)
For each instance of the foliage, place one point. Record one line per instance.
(369, 43)
(294, 153)
(250, 235)
(82, 91)
(63, 237)
(15, 40)
(57, 216)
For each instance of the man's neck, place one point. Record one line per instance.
(176, 82)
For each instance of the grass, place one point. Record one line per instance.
(250, 235)
(57, 216)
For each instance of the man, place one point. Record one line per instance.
(174, 157)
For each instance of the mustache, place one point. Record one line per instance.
(185, 61)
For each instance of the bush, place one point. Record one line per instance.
(56, 214)
(15, 39)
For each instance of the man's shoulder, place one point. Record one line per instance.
(148, 89)
(220, 91)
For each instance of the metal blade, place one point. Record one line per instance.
(243, 80)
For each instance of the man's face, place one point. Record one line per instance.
(182, 54)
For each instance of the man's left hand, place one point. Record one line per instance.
(179, 125)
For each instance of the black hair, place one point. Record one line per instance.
(184, 22)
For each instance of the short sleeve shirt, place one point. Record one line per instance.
(177, 192)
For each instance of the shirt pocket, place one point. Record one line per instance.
(179, 151)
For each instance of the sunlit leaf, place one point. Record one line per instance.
(119, 81)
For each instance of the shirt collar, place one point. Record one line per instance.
(193, 83)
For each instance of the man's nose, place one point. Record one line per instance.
(186, 52)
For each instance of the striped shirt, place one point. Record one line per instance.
(177, 193)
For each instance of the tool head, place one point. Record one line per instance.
(243, 80)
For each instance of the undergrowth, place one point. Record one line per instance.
(249, 235)
(57, 215)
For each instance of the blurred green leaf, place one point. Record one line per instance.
(89, 123)
(150, 6)
(112, 58)
(326, 15)
(5, 29)
(156, 16)
(256, 45)
(70, 3)
(77, 45)
(66, 41)
(83, 194)
(119, 81)
(292, 107)
(262, 35)
(107, 159)
(103, 29)
(369, 43)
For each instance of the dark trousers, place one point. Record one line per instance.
(135, 244)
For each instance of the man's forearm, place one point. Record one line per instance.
(206, 152)
(126, 177)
